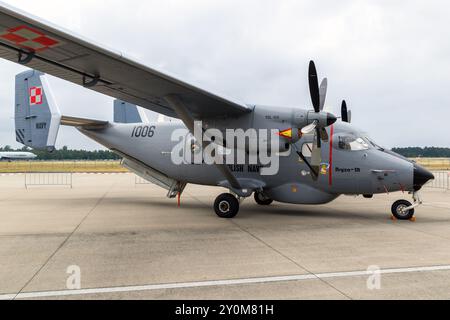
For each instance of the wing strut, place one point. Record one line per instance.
(184, 114)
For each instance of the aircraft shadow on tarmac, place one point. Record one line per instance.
(251, 210)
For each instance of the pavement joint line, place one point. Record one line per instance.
(405, 227)
(301, 266)
(63, 243)
(218, 283)
(282, 254)
(291, 260)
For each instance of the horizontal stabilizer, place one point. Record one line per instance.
(84, 123)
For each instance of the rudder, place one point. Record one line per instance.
(37, 117)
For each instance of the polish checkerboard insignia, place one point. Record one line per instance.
(36, 96)
(29, 38)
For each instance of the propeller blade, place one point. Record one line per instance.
(318, 138)
(324, 135)
(323, 93)
(317, 150)
(344, 111)
(310, 128)
(316, 157)
(314, 86)
(349, 116)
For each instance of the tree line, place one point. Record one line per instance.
(66, 154)
(428, 152)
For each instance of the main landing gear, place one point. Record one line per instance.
(226, 206)
(405, 210)
(262, 200)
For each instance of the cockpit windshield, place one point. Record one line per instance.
(352, 143)
(372, 143)
(355, 142)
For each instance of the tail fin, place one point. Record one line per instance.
(37, 116)
(125, 112)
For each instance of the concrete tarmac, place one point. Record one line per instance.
(131, 242)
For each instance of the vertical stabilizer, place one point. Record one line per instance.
(125, 112)
(37, 117)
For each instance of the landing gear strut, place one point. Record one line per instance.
(405, 210)
(226, 206)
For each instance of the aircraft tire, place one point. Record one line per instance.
(226, 206)
(399, 214)
(261, 200)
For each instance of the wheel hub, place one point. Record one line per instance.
(401, 210)
(224, 207)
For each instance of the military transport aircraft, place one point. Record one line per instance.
(10, 156)
(319, 158)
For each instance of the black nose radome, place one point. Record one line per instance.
(331, 119)
(421, 176)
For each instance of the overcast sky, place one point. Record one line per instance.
(389, 59)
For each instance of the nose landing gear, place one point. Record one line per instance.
(400, 210)
(405, 210)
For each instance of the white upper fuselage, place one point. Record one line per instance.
(17, 156)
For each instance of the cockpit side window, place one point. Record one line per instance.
(351, 143)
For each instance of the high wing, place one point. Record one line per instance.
(41, 46)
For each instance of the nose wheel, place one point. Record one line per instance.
(404, 210)
(401, 211)
(226, 206)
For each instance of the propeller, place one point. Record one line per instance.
(322, 119)
(314, 86)
(323, 93)
(310, 128)
(318, 97)
(346, 114)
(317, 122)
(323, 96)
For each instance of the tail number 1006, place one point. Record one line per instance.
(143, 132)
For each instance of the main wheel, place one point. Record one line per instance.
(399, 212)
(262, 200)
(226, 206)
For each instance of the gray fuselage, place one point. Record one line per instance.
(347, 168)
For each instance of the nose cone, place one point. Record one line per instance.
(331, 119)
(421, 176)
